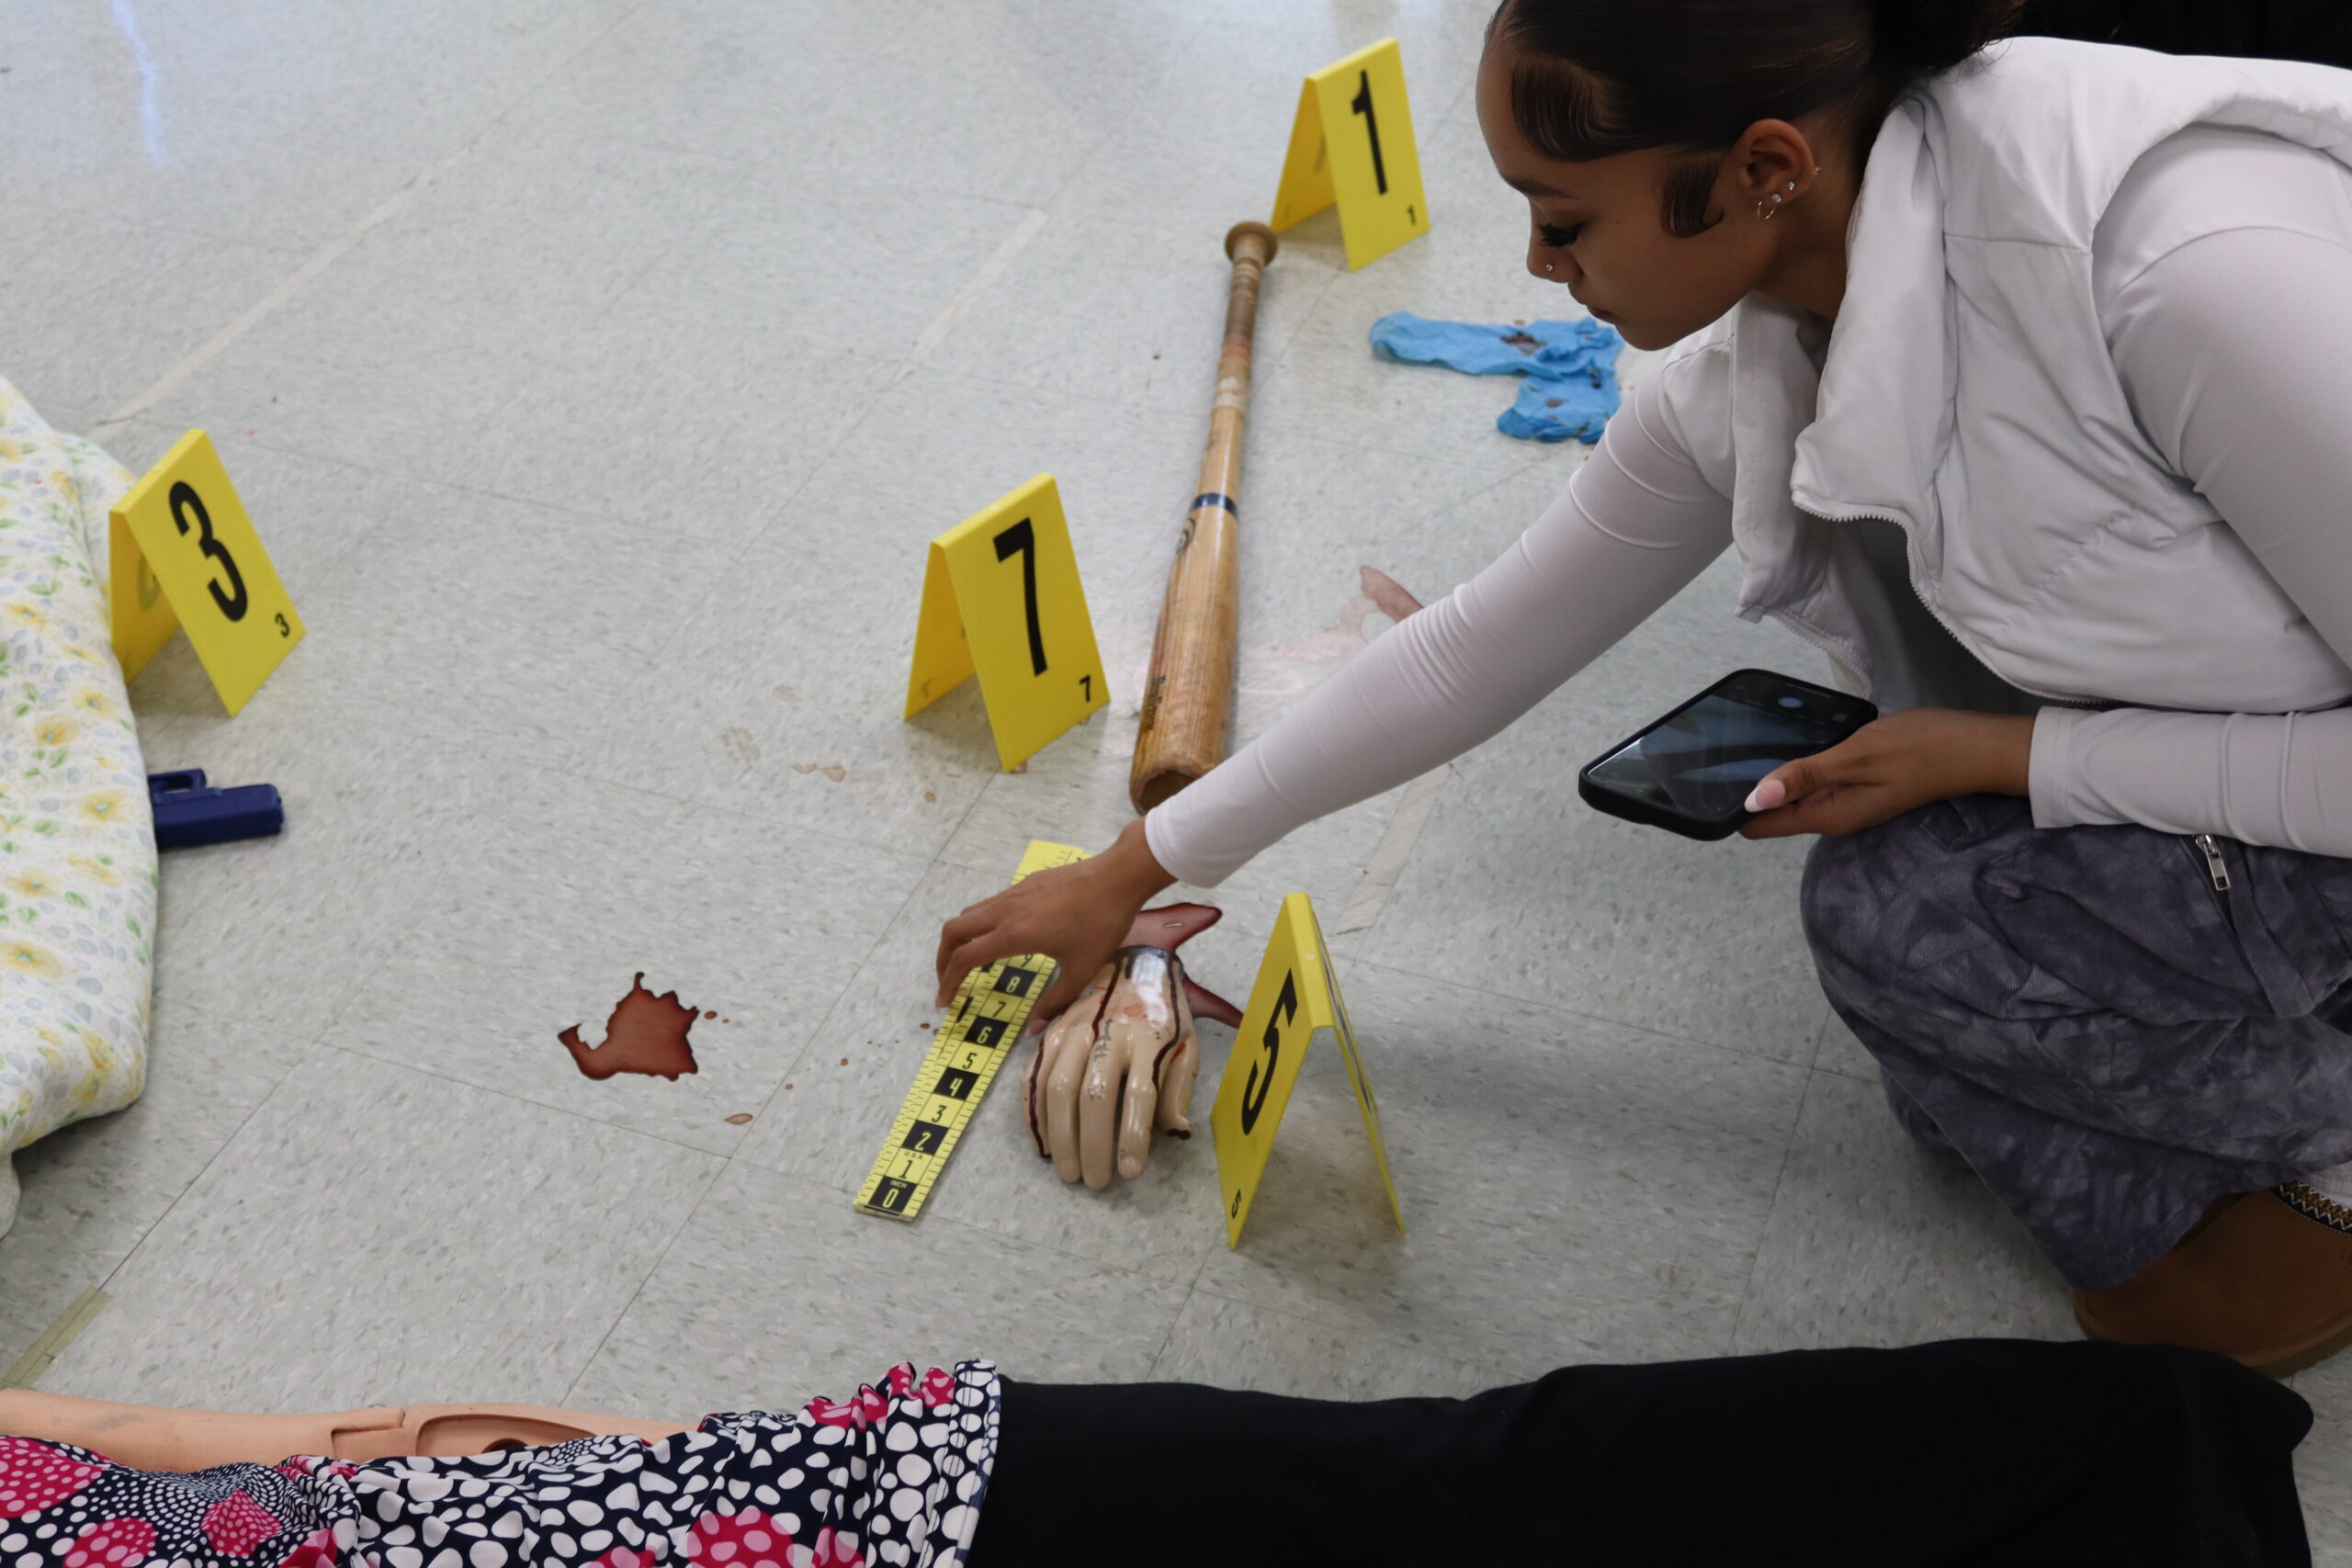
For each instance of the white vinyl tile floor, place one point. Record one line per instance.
(597, 371)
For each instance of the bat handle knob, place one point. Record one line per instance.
(1252, 239)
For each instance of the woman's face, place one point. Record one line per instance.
(1597, 227)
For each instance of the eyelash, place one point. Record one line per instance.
(1556, 238)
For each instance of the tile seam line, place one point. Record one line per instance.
(1541, 1006)
(357, 984)
(394, 1062)
(557, 513)
(1780, 1179)
(1192, 1289)
(1124, 1271)
(670, 1244)
(293, 282)
(979, 1232)
(750, 548)
(214, 1158)
(975, 288)
(332, 251)
(1394, 1340)
(1456, 457)
(701, 803)
(1349, 1328)
(817, 1030)
(1095, 149)
(700, 226)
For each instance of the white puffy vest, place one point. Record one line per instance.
(1968, 395)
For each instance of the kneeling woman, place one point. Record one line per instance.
(2017, 377)
(1976, 1452)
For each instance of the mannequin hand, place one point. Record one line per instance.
(1073, 914)
(1115, 1066)
(1886, 767)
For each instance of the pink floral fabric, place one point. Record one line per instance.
(893, 1477)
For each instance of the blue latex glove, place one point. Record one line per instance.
(1570, 367)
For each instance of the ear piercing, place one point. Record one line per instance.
(1769, 207)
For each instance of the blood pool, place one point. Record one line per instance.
(646, 1034)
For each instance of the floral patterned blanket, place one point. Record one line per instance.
(77, 850)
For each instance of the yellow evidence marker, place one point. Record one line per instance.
(981, 1029)
(1297, 993)
(1000, 595)
(1352, 142)
(182, 553)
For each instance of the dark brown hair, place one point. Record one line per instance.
(1591, 78)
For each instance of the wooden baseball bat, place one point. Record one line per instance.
(1188, 700)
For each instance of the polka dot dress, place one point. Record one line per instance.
(894, 1476)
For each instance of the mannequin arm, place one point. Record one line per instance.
(150, 1437)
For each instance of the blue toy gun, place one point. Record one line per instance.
(188, 813)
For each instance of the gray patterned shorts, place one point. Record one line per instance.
(2108, 1038)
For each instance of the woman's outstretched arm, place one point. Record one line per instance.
(1639, 521)
(1635, 525)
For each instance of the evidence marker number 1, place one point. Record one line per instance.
(991, 1006)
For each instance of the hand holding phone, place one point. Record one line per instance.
(1690, 772)
(1894, 765)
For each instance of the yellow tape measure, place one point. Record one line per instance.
(982, 1027)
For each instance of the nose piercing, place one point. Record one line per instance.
(1547, 266)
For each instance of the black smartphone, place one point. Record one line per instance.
(1691, 772)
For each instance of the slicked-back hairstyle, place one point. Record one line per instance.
(1593, 78)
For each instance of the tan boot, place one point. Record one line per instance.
(2266, 1280)
(148, 1437)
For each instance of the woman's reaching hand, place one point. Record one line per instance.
(1076, 915)
(1889, 767)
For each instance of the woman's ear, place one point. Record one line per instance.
(1771, 164)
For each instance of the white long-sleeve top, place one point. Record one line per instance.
(2222, 276)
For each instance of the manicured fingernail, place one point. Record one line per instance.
(1766, 795)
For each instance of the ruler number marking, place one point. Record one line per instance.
(990, 1007)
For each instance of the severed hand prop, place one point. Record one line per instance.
(1120, 1062)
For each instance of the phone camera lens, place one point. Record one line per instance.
(1792, 701)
